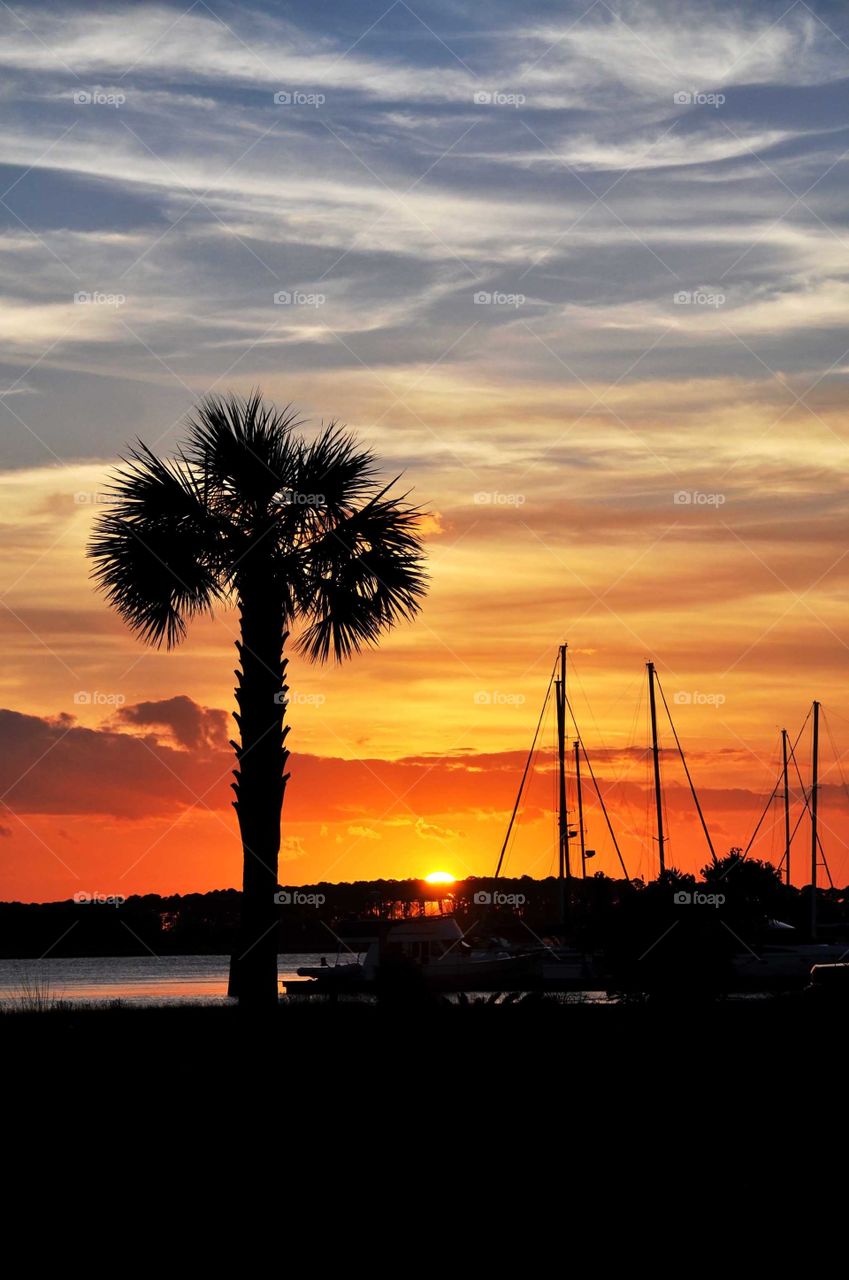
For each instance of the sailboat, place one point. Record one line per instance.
(784, 959)
(781, 958)
(560, 966)
(435, 948)
(431, 948)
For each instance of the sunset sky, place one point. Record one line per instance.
(580, 272)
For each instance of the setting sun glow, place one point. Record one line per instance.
(439, 877)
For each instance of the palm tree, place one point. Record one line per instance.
(294, 532)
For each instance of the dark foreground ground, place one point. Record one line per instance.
(464, 1048)
(511, 1123)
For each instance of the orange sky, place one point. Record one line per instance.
(582, 280)
(408, 759)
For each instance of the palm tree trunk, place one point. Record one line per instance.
(259, 786)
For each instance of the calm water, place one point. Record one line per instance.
(136, 979)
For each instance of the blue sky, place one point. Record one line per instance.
(583, 197)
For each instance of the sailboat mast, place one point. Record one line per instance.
(563, 824)
(786, 808)
(656, 756)
(580, 808)
(561, 870)
(814, 805)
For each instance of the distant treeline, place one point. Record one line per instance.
(735, 894)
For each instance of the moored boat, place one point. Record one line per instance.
(432, 950)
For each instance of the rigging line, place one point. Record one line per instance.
(766, 809)
(806, 798)
(772, 833)
(621, 702)
(795, 829)
(555, 796)
(837, 759)
(775, 789)
(776, 771)
(782, 859)
(632, 735)
(832, 712)
(792, 837)
(686, 770)
(798, 823)
(771, 829)
(647, 782)
(552, 829)
(667, 825)
(525, 773)
(628, 759)
(511, 842)
(837, 762)
(600, 799)
(574, 678)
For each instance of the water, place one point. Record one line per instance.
(157, 980)
(150, 980)
(131, 979)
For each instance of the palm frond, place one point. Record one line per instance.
(148, 487)
(244, 449)
(336, 469)
(364, 575)
(159, 553)
(251, 506)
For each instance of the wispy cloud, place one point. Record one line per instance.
(558, 267)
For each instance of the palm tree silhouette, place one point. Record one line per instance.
(291, 531)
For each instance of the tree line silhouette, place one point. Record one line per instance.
(618, 917)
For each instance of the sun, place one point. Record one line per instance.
(439, 877)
